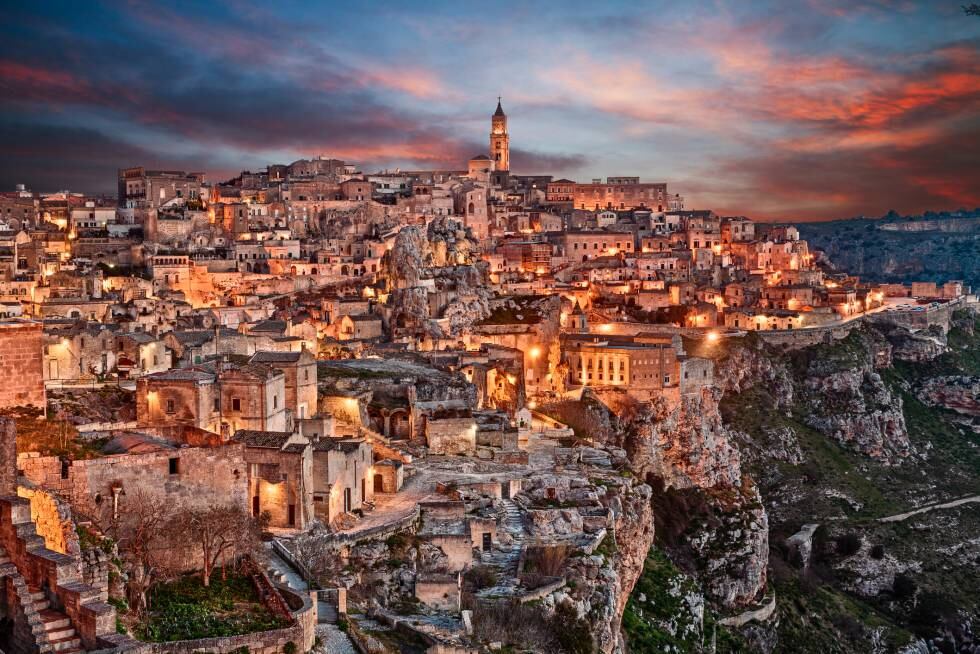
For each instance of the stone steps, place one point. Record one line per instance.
(60, 634)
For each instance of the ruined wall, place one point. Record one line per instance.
(458, 549)
(21, 365)
(53, 521)
(440, 592)
(451, 436)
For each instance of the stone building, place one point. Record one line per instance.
(621, 193)
(142, 188)
(280, 473)
(219, 397)
(643, 364)
(299, 369)
(343, 476)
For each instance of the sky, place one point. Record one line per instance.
(783, 110)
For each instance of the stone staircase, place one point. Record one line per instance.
(61, 636)
(505, 557)
(50, 597)
(50, 630)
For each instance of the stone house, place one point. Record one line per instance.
(280, 472)
(299, 370)
(220, 397)
(451, 431)
(139, 353)
(342, 476)
(361, 327)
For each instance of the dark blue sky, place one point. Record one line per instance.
(781, 110)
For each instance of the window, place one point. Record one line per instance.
(171, 407)
(174, 466)
(275, 401)
(236, 404)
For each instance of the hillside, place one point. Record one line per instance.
(838, 437)
(931, 247)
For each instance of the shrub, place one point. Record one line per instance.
(480, 577)
(878, 552)
(289, 648)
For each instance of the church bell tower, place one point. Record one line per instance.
(499, 140)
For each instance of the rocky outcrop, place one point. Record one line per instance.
(856, 408)
(847, 399)
(923, 345)
(956, 393)
(684, 443)
(599, 585)
(748, 365)
(684, 446)
(733, 546)
(436, 263)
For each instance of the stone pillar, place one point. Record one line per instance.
(8, 457)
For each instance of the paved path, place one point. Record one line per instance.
(948, 505)
(284, 573)
(392, 508)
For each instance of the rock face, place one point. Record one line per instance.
(733, 547)
(600, 585)
(684, 443)
(848, 400)
(854, 407)
(956, 393)
(923, 345)
(745, 367)
(435, 283)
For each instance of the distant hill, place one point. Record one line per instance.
(931, 247)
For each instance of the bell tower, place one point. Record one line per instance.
(499, 139)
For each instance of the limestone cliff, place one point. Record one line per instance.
(847, 399)
(436, 284)
(681, 445)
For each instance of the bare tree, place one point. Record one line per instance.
(313, 554)
(222, 532)
(141, 534)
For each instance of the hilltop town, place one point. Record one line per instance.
(409, 406)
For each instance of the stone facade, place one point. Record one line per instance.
(450, 434)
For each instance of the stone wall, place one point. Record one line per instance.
(440, 592)
(21, 365)
(451, 436)
(200, 476)
(458, 549)
(53, 521)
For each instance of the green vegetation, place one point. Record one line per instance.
(184, 609)
(50, 437)
(847, 491)
(661, 613)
